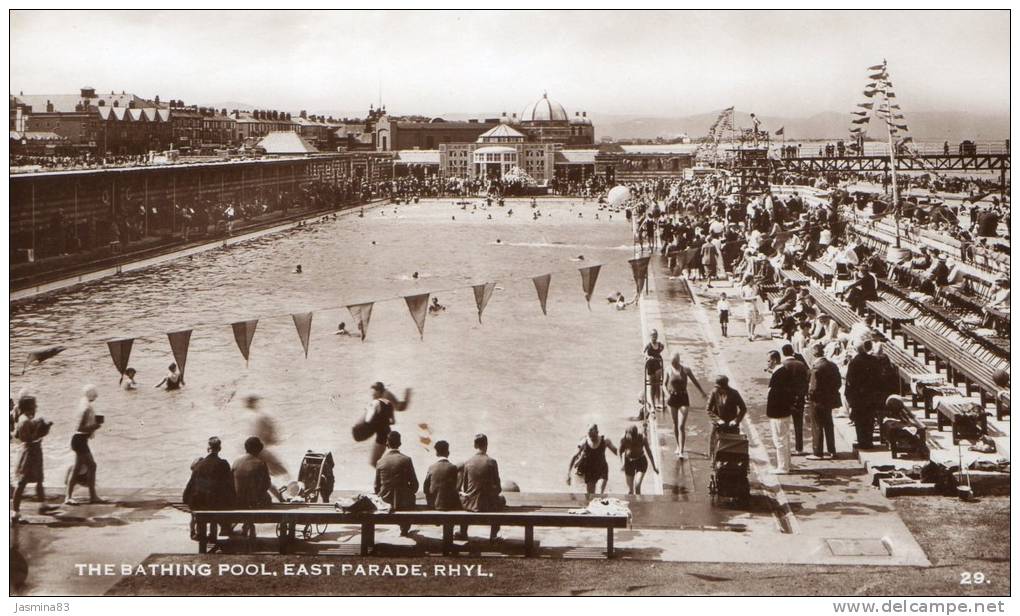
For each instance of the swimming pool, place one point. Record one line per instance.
(531, 382)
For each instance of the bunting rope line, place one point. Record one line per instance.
(210, 324)
(243, 330)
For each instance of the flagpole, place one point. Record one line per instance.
(892, 161)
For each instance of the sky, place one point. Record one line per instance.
(650, 63)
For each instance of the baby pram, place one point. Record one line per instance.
(316, 476)
(730, 465)
(315, 482)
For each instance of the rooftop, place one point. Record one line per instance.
(286, 142)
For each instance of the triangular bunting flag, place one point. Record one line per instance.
(589, 275)
(870, 93)
(861, 120)
(866, 105)
(881, 75)
(482, 294)
(303, 323)
(542, 286)
(120, 351)
(640, 268)
(419, 307)
(244, 331)
(362, 314)
(40, 355)
(877, 67)
(859, 113)
(179, 343)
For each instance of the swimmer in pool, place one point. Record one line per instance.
(436, 306)
(415, 275)
(297, 269)
(173, 380)
(129, 379)
(341, 330)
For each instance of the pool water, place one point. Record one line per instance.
(533, 383)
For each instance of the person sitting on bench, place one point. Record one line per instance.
(211, 485)
(999, 301)
(252, 486)
(395, 479)
(480, 486)
(441, 481)
(862, 290)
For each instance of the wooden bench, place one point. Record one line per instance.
(908, 367)
(966, 421)
(916, 445)
(288, 516)
(889, 314)
(1000, 320)
(821, 272)
(795, 277)
(841, 314)
(929, 392)
(959, 365)
(773, 298)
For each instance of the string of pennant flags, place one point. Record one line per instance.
(887, 110)
(417, 305)
(890, 112)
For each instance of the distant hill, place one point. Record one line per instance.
(925, 125)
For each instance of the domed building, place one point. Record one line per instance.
(544, 110)
(542, 139)
(546, 121)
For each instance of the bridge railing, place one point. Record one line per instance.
(876, 148)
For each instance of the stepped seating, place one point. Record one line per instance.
(890, 314)
(959, 365)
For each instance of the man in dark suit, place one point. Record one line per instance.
(441, 481)
(779, 408)
(800, 376)
(823, 396)
(211, 486)
(863, 375)
(864, 289)
(480, 486)
(395, 479)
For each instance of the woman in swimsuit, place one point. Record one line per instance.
(636, 453)
(590, 461)
(653, 367)
(679, 401)
(380, 415)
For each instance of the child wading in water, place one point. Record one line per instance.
(724, 313)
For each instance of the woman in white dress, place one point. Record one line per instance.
(749, 293)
